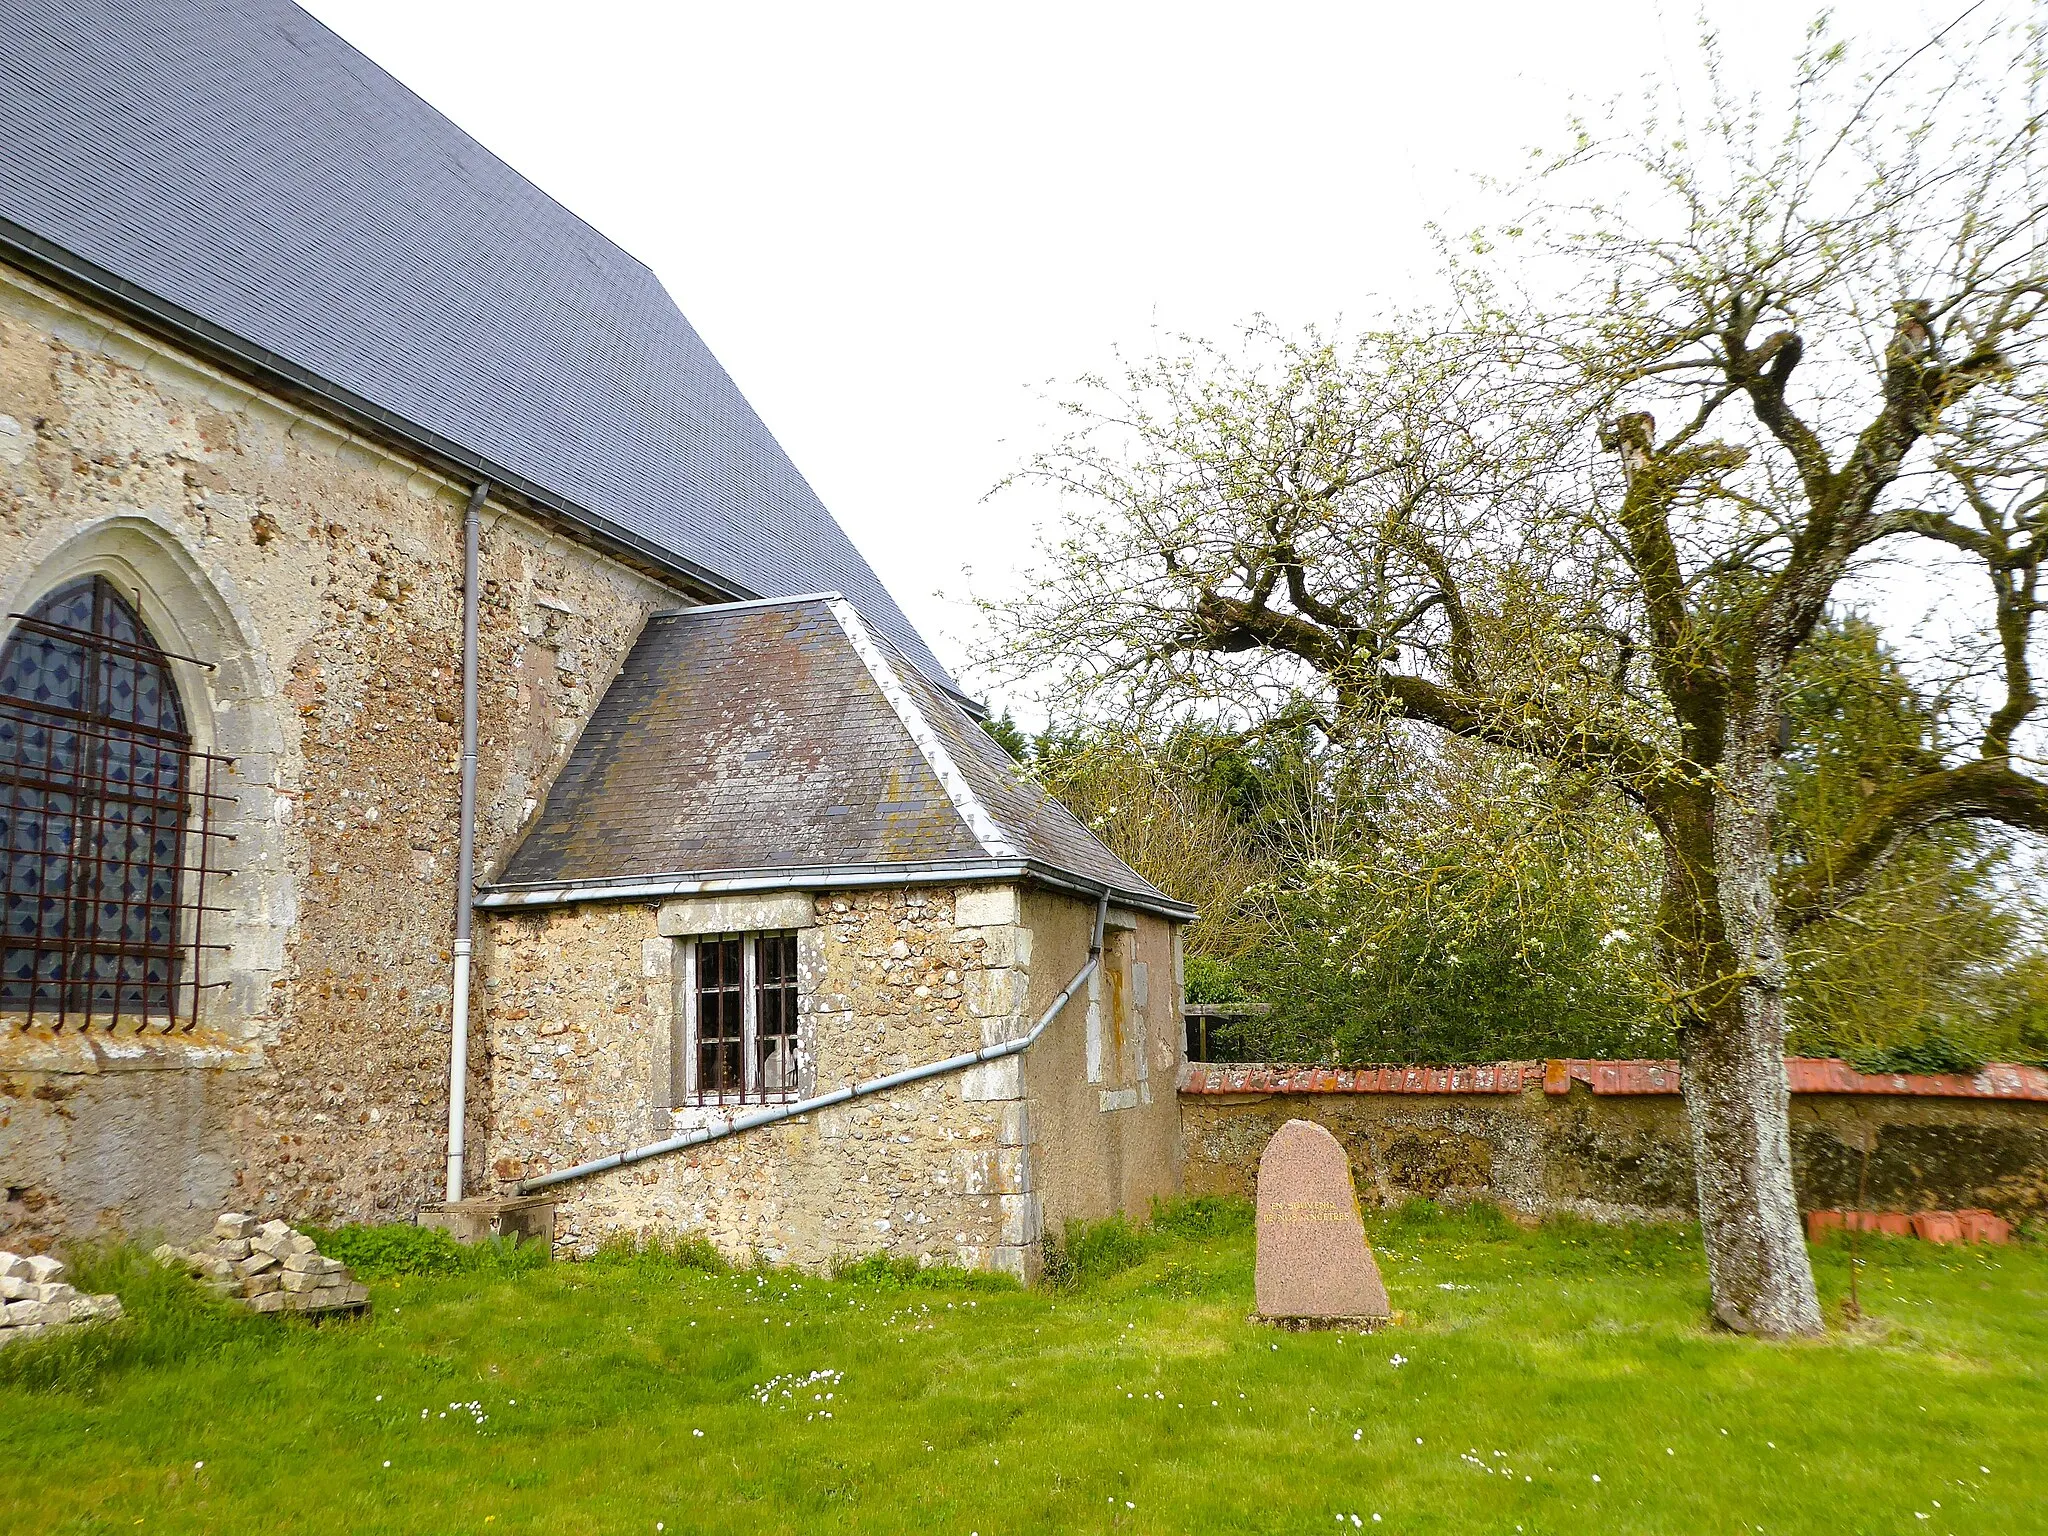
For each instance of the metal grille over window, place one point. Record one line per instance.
(721, 997)
(775, 1013)
(742, 1018)
(103, 821)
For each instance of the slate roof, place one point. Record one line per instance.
(759, 742)
(237, 167)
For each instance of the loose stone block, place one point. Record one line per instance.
(45, 1270)
(256, 1263)
(13, 1266)
(16, 1288)
(269, 1301)
(238, 1248)
(262, 1285)
(298, 1282)
(1313, 1267)
(310, 1263)
(21, 1313)
(233, 1226)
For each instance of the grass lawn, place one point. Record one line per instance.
(1558, 1380)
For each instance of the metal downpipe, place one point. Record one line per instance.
(465, 858)
(844, 1095)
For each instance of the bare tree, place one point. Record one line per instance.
(1596, 530)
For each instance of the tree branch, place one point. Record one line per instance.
(1985, 791)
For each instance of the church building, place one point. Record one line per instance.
(447, 751)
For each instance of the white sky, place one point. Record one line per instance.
(896, 224)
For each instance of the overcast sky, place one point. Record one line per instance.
(897, 224)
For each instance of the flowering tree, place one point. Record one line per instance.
(1597, 531)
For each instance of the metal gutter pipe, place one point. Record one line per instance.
(873, 1085)
(465, 858)
(503, 897)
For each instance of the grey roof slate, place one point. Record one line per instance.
(243, 163)
(765, 737)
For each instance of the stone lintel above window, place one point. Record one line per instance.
(751, 912)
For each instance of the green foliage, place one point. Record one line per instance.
(1202, 1218)
(1474, 907)
(1933, 962)
(1211, 979)
(1936, 1049)
(660, 1254)
(1008, 735)
(908, 1274)
(1091, 1252)
(165, 1320)
(399, 1248)
(1097, 1250)
(880, 1272)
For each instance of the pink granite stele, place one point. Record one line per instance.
(1314, 1268)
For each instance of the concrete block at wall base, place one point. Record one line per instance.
(1023, 1220)
(529, 1218)
(993, 1080)
(691, 916)
(985, 906)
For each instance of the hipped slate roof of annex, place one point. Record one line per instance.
(246, 166)
(754, 737)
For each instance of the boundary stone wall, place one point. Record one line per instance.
(1608, 1139)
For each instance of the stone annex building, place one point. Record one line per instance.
(300, 388)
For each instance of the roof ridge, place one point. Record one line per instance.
(994, 838)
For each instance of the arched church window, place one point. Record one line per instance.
(97, 805)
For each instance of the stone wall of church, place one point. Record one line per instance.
(320, 575)
(581, 1007)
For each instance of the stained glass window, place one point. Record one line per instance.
(94, 801)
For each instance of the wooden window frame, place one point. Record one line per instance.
(694, 1092)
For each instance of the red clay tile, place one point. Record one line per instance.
(1983, 1227)
(1818, 1222)
(1937, 1227)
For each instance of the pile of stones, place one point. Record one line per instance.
(35, 1298)
(268, 1267)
